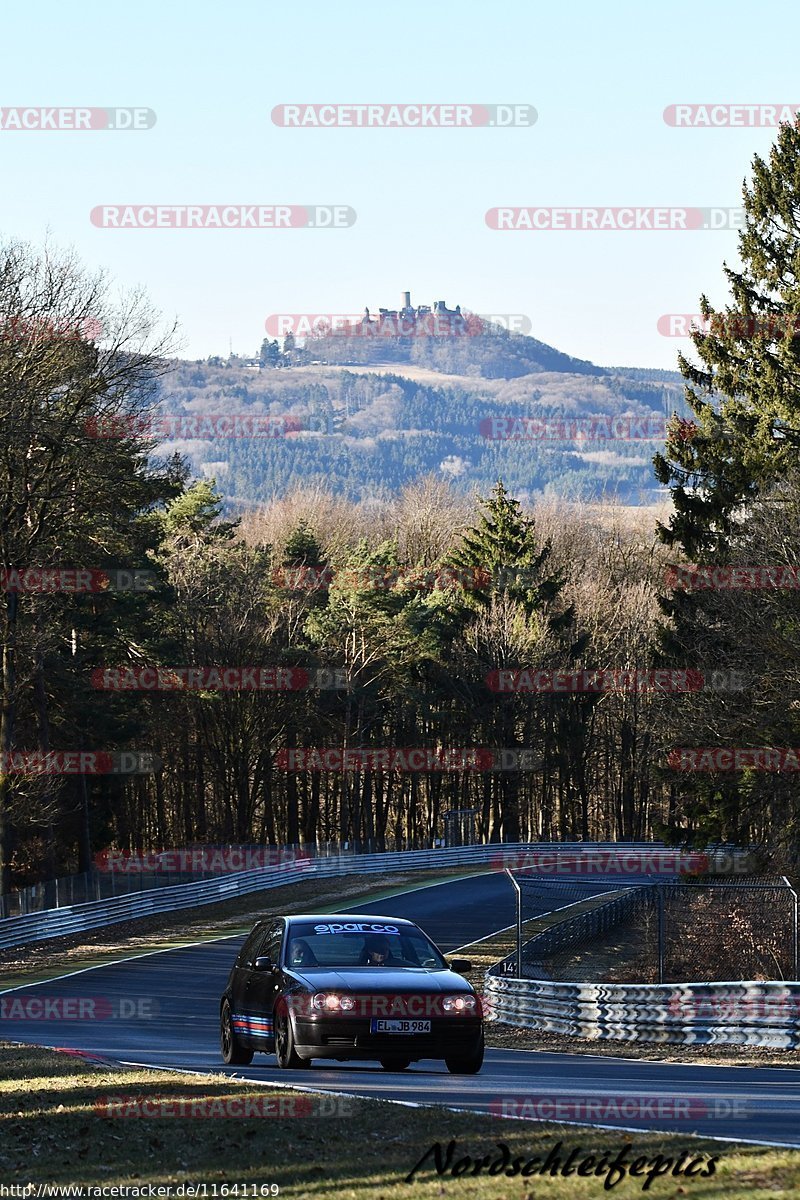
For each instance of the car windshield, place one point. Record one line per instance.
(369, 944)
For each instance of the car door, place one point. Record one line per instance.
(237, 984)
(261, 987)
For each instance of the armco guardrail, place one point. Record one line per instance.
(741, 1014)
(56, 922)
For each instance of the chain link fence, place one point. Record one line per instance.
(642, 931)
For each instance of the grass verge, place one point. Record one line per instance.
(54, 1129)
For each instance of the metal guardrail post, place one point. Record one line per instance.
(518, 890)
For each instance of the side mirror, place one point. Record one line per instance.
(462, 966)
(262, 964)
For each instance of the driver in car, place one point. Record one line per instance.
(376, 950)
(301, 954)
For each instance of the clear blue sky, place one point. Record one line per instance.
(599, 76)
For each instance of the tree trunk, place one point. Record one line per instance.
(7, 714)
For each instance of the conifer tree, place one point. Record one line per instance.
(745, 392)
(504, 556)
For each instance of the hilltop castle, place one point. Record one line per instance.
(408, 319)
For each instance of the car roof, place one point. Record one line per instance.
(348, 917)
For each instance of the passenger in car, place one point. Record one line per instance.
(301, 954)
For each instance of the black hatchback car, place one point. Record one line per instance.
(349, 987)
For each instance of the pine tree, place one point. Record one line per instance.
(503, 556)
(513, 596)
(745, 393)
(196, 514)
(723, 466)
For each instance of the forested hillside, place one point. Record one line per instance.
(368, 430)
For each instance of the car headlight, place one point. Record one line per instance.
(332, 1002)
(463, 1003)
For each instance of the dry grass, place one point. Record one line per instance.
(53, 1129)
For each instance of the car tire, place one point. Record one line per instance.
(466, 1064)
(395, 1064)
(234, 1054)
(285, 1053)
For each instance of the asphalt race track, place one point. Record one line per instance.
(162, 1010)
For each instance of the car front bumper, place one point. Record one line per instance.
(353, 1038)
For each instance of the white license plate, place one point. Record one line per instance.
(379, 1026)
